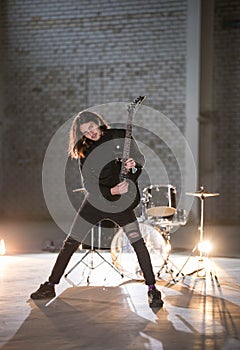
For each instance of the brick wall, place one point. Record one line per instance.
(60, 57)
(64, 56)
(227, 107)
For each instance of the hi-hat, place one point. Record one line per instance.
(202, 193)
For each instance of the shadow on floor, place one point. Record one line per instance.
(114, 318)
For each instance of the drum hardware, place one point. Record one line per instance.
(180, 217)
(143, 204)
(92, 250)
(165, 230)
(201, 270)
(159, 203)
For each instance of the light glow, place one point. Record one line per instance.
(167, 248)
(205, 247)
(2, 247)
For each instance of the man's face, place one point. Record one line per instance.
(91, 130)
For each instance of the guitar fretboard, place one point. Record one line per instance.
(126, 150)
(132, 109)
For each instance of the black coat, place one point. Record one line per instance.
(101, 166)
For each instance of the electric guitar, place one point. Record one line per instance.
(133, 194)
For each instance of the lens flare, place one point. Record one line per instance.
(205, 247)
(2, 247)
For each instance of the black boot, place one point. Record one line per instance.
(154, 298)
(45, 291)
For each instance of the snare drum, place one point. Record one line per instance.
(160, 200)
(125, 259)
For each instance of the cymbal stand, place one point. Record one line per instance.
(201, 269)
(91, 265)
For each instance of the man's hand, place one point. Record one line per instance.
(130, 163)
(120, 188)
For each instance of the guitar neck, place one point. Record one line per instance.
(126, 150)
(127, 143)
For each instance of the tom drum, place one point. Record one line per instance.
(160, 200)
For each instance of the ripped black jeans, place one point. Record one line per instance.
(87, 217)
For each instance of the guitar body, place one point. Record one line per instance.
(133, 195)
(131, 199)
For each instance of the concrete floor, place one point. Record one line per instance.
(106, 311)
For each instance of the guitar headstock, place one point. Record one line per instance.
(136, 104)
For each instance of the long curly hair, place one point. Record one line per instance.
(78, 142)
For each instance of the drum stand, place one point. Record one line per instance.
(167, 263)
(203, 257)
(91, 265)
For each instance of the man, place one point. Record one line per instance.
(98, 148)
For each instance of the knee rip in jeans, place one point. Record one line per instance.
(134, 235)
(132, 231)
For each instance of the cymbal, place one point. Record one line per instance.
(168, 223)
(202, 193)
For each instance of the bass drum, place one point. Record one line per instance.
(124, 257)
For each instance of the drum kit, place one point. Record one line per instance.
(159, 215)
